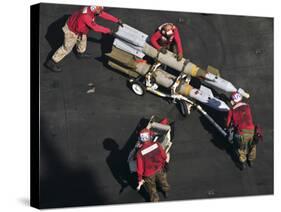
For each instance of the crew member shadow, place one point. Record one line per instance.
(118, 164)
(55, 35)
(106, 42)
(217, 139)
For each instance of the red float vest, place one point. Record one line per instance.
(150, 158)
(81, 21)
(241, 117)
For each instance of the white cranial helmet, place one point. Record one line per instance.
(145, 135)
(236, 97)
(94, 7)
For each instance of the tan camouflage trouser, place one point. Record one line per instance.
(70, 40)
(159, 178)
(246, 148)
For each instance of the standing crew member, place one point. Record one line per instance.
(151, 160)
(241, 118)
(75, 33)
(166, 38)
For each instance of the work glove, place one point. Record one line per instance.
(166, 167)
(163, 50)
(230, 135)
(230, 140)
(120, 23)
(140, 184)
(179, 57)
(112, 32)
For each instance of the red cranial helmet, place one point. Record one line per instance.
(165, 121)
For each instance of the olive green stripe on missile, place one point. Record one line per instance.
(122, 57)
(213, 70)
(123, 69)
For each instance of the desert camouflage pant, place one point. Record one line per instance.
(70, 40)
(246, 147)
(160, 179)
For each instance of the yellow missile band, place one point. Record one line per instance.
(185, 91)
(194, 70)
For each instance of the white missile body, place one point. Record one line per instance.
(130, 46)
(134, 42)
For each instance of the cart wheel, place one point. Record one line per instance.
(183, 108)
(138, 88)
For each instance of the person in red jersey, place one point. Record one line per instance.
(166, 38)
(76, 30)
(240, 117)
(151, 159)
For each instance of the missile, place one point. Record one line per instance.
(127, 64)
(134, 42)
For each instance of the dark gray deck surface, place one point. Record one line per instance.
(79, 164)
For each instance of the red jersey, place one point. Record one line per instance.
(158, 39)
(150, 158)
(81, 21)
(241, 116)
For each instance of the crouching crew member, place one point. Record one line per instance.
(151, 160)
(75, 33)
(244, 129)
(166, 38)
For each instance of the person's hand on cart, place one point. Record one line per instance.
(120, 23)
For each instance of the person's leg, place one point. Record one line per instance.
(81, 44)
(70, 40)
(252, 154)
(161, 179)
(150, 186)
(81, 47)
(242, 151)
(251, 148)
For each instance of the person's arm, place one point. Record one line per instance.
(140, 168)
(108, 17)
(229, 117)
(162, 152)
(154, 40)
(178, 41)
(94, 26)
(166, 158)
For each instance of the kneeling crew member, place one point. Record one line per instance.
(76, 30)
(166, 38)
(241, 118)
(151, 159)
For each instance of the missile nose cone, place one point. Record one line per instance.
(218, 104)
